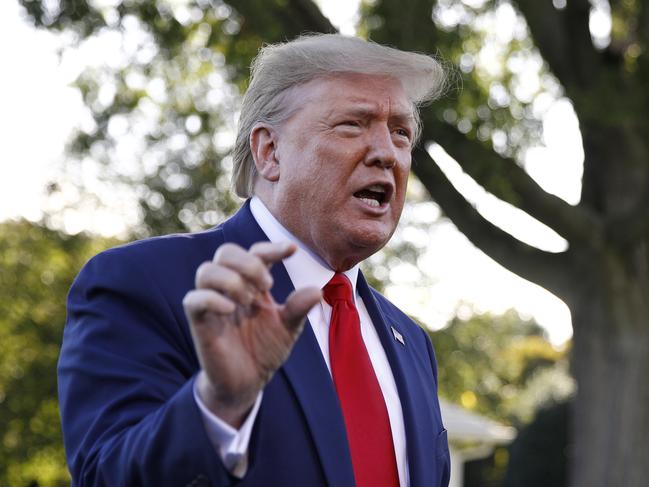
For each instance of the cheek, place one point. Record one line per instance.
(397, 209)
(327, 172)
(402, 173)
(401, 182)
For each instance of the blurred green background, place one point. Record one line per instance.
(158, 127)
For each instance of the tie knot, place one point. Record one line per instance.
(338, 289)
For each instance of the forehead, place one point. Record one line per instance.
(370, 93)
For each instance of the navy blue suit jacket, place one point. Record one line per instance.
(128, 364)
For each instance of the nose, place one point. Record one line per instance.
(382, 151)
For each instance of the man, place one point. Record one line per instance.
(186, 359)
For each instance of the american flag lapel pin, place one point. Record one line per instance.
(398, 336)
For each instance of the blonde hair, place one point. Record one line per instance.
(279, 67)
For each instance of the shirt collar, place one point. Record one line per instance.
(304, 267)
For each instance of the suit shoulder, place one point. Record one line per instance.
(176, 249)
(165, 260)
(170, 245)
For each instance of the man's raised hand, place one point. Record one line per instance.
(242, 336)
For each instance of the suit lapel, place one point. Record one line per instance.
(305, 369)
(307, 373)
(417, 420)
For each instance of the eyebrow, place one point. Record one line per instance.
(367, 111)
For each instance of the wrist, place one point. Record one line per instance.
(230, 408)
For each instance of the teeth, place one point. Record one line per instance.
(371, 202)
(377, 188)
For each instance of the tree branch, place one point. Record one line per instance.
(633, 227)
(281, 21)
(546, 269)
(313, 20)
(293, 18)
(563, 38)
(575, 223)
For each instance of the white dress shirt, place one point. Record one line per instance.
(307, 269)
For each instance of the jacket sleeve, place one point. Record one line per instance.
(126, 374)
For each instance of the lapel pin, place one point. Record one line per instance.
(398, 336)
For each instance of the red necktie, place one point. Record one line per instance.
(363, 406)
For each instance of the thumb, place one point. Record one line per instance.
(297, 305)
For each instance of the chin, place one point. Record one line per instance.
(356, 248)
(371, 240)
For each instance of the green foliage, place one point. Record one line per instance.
(489, 471)
(38, 266)
(500, 366)
(504, 368)
(160, 113)
(490, 105)
(164, 115)
(545, 438)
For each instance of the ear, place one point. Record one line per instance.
(263, 145)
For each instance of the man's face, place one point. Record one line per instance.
(344, 159)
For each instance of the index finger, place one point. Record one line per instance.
(270, 252)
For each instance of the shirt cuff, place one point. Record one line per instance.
(231, 444)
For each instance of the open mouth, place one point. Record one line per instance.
(375, 195)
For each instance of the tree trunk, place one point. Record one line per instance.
(610, 360)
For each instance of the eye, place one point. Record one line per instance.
(349, 128)
(350, 123)
(401, 132)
